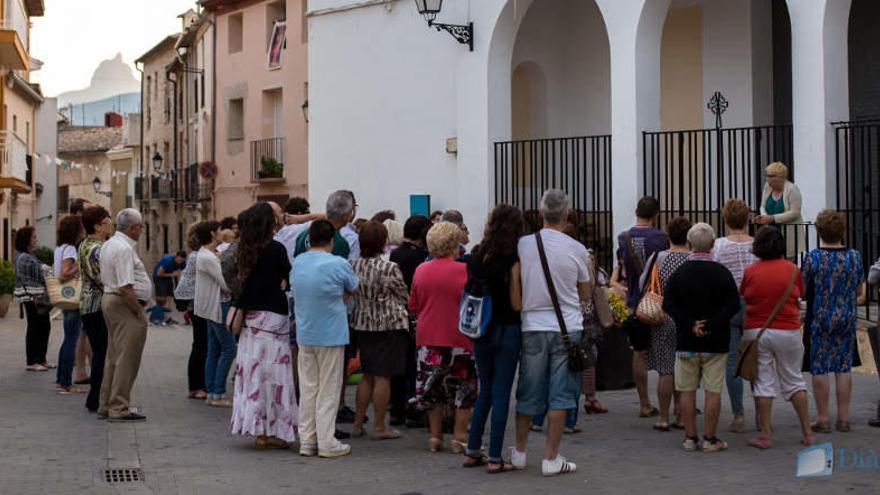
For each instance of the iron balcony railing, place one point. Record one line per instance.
(13, 158)
(267, 159)
(580, 166)
(163, 188)
(196, 189)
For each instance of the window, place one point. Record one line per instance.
(236, 32)
(203, 89)
(276, 30)
(15, 124)
(235, 122)
(167, 104)
(156, 86)
(196, 103)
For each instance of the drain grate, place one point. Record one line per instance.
(122, 475)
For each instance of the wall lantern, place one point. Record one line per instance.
(96, 184)
(305, 110)
(429, 10)
(157, 162)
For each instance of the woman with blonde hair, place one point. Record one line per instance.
(446, 370)
(395, 236)
(781, 207)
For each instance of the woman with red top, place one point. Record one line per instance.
(446, 370)
(780, 349)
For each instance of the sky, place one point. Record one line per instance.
(74, 36)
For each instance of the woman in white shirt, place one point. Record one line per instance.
(70, 233)
(735, 253)
(211, 303)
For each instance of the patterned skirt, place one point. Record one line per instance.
(832, 347)
(661, 356)
(446, 376)
(265, 399)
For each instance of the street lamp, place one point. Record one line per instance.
(305, 110)
(157, 162)
(429, 9)
(96, 184)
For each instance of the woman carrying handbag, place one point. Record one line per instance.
(772, 288)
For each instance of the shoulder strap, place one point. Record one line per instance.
(637, 262)
(550, 287)
(780, 302)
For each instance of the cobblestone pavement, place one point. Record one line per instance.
(51, 444)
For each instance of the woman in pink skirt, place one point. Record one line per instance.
(264, 405)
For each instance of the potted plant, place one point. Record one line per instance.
(45, 254)
(7, 285)
(270, 168)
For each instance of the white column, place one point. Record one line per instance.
(820, 95)
(634, 30)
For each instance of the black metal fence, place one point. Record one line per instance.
(267, 159)
(580, 166)
(692, 172)
(857, 161)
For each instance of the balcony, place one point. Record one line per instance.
(162, 189)
(267, 160)
(196, 189)
(13, 54)
(13, 162)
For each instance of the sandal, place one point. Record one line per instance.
(271, 443)
(843, 426)
(385, 435)
(571, 430)
(459, 447)
(650, 414)
(435, 444)
(357, 431)
(472, 461)
(592, 406)
(821, 427)
(198, 395)
(662, 426)
(762, 443)
(501, 467)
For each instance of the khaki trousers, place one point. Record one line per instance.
(126, 335)
(320, 379)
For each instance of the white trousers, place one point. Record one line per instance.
(320, 380)
(780, 356)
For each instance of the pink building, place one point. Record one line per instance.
(261, 98)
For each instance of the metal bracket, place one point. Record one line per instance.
(462, 34)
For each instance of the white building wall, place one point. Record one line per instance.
(46, 141)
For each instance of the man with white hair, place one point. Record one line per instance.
(701, 296)
(127, 288)
(545, 380)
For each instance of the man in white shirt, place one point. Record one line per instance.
(545, 382)
(127, 288)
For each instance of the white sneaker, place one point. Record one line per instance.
(341, 449)
(557, 466)
(517, 458)
(308, 450)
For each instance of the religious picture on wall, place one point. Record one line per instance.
(276, 44)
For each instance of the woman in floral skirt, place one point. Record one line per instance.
(264, 405)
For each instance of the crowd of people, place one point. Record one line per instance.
(299, 301)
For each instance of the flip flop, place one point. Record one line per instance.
(385, 435)
(821, 427)
(662, 426)
(503, 467)
(650, 414)
(471, 461)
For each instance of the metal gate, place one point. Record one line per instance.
(580, 166)
(857, 161)
(692, 172)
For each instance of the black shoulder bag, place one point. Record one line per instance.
(580, 356)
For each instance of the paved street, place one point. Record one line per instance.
(50, 444)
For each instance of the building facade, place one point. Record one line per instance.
(85, 165)
(20, 100)
(46, 170)
(261, 102)
(608, 99)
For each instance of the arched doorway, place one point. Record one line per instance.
(560, 116)
(740, 50)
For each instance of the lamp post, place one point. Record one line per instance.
(429, 9)
(157, 162)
